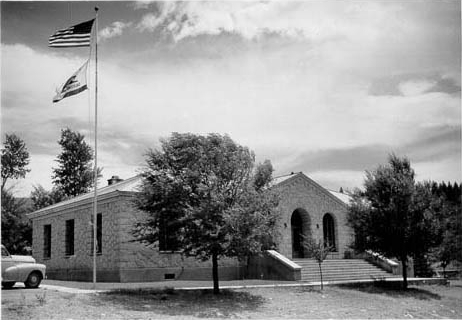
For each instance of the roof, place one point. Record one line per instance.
(132, 184)
(342, 197)
(280, 179)
(128, 185)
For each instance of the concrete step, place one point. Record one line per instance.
(340, 270)
(343, 271)
(317, 279)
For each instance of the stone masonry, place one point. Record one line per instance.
(125, 260)
(313, 201)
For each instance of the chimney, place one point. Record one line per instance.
(113, 180)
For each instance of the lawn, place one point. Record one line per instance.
(426, 301)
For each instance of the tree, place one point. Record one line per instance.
(15, 159)
(448, 246)
(16, 228)
(425, 226)
(387, 217)
(74, 174)
(202, 190)
(319, 251)
(42, 198)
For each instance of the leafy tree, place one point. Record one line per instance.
(388, 217)
(425, 226)
(263, 175)
(449, 223)
(319, 251)
(202, 190)
(42, 198)
(15, 159)
(16, 228)
(74, 174)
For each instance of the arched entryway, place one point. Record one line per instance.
(328, 228)
(300, 226)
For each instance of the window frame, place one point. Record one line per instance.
(69, 237)
(47, 241)
(99, 234)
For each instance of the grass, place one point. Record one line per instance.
(393, 290)
(200, 303)
(334, 302)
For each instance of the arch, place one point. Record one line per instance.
(300, 229)
(329, 231)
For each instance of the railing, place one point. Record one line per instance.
(275, 266)
(382, 262)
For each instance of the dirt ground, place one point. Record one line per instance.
(425, 301)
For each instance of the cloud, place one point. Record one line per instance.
(415, 87)
(435, 155)
(114, 30)
(141, 4)
(252, 19)
(415, 83)
(290, 80)
(447, 85)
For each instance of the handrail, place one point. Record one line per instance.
(284, 260)
(381, 261)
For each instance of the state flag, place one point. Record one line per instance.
(74, 85)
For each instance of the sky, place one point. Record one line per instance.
(330, 88)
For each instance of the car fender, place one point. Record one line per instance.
(25, 269)
(10, 274)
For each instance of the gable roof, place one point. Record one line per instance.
(280, 181)
(132, 184)
(344, 197)
(128, 185)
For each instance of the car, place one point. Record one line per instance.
(21, 269)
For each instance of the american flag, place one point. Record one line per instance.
(75, 36)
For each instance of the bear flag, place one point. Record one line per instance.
(74, 85)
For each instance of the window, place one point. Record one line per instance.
(47, 241)
(328, 227)
(69, 237)
(168, 236)
(99, 234)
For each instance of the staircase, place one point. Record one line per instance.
(340, 270)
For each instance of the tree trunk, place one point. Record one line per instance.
(320, 272)
(216, 288)
(404, 265)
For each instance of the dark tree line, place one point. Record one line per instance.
(16, 229)
(72, 176)
(449, 226)
(401, 218)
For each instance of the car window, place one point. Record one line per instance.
(5, 252)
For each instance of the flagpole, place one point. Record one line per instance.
(95, 222)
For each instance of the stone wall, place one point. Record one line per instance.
(122, 259)
(138, 261)
(80, 264)
(301, 192)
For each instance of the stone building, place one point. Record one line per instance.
(63, 234)
(310, 211)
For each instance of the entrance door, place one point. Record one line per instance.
(297, 235)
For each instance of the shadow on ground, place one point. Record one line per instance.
(394, 291)
(199, 303)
